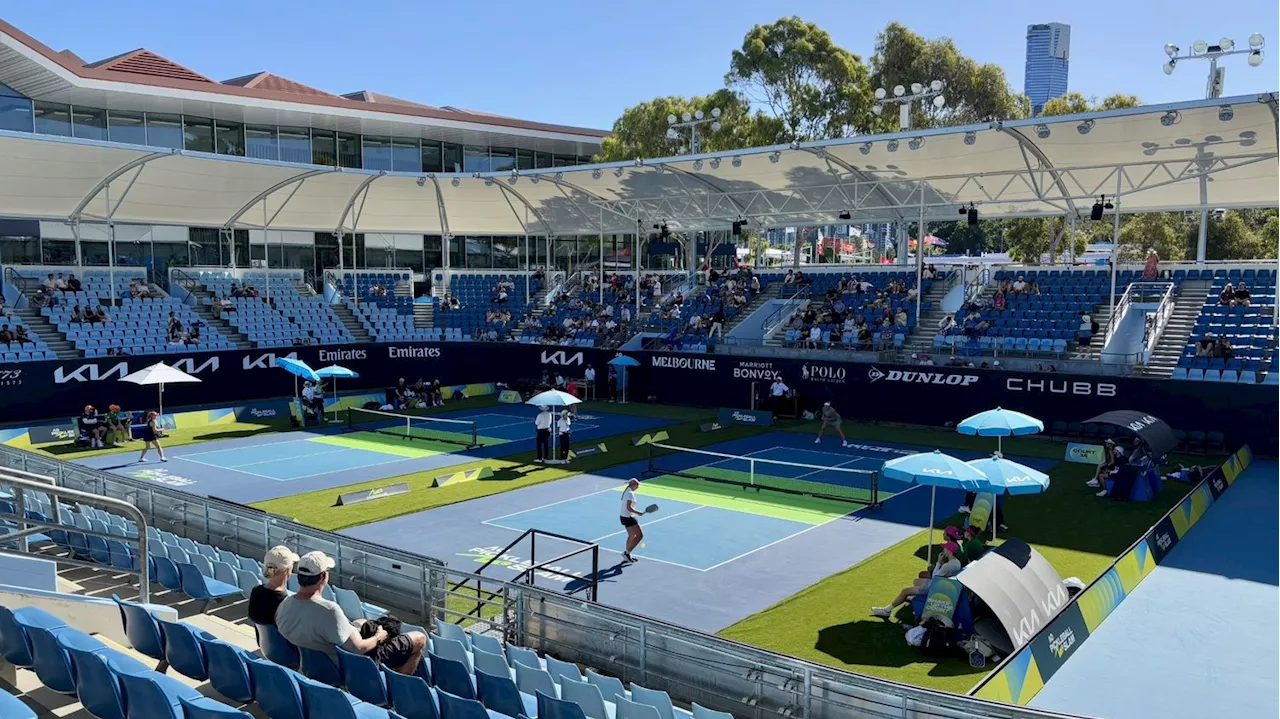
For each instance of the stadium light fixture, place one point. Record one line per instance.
(693, 121)
(1225, 47)
(715, 163)
(970, 138)
(1170, 118)
(535, 179)
(595, 174)
(737, 161)
(865, 148)
(1226, 114)
(920, 92)
(455, 182)
(1042, 131)
(892, 146)
(915, 143)
(1084, 127)
(775, 156)
(697, 165)
(617, 172)
(422, 181)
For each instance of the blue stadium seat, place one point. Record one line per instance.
(609, 686)
(533, 680)
(586, 695)
(14, 646)
(149, 695)
(701, 712)
(455, 707)
(495, 664)
(49, 657)
(363, 677)
(412, 697)
(183, 650)
(560, 670)
(198, 586)
(142, 631)
(206, 708)
(551, 708)
(12, 707)
(499, 693)
(225, 665)
(486, 643)
(276, 648)
(325, 702)
(320, 667)
(655, 698)
(276, 690)
(627, 709)
(451, 676)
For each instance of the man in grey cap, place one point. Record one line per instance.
(309, 620)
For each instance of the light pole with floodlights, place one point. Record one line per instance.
(1201, 50)
(918, 92)
(692, 121)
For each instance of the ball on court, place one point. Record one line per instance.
(642, 545)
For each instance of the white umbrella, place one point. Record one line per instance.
(159, 374)
(333, 372)
(553, 398)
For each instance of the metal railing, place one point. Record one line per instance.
(24, 485)
(1151, 337)
(692, 666)
(785, 310)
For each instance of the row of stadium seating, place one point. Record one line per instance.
(283, 318)
(95, 285)
(1250, 330)
(388, 324)
(138, 326)
(34, 351)
(476, 294)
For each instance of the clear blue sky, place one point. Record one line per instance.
(582, 63)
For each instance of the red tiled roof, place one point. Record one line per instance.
(145, 62)
(143, 67)
(272, 82)
(380, 99)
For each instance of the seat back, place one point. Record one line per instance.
(149, 695)
(587, 696)
(275, 647)
(349, 601)
(97, 687)
(451, 676)
(183, 650)
(13, 640)
(363, 677)
(50, 660)
(452, 649)
(609, 686)
(227, 672)
(224, 572)
(532, 680)
(276, 690)
(320, 666)
(655, 698)
(499, 693)
(455, 707)
(627, 709)
(486, 643)
(193, 584)
(206, 708)
(412, 697)
(495, 664)
(167, 573)
(449, 630)
(203, 563)
(326, 702)
(701, 712)
(528, 657)
(560, 671)
(551, 708)
(12, 707)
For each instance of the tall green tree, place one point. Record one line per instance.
(1231, 238)
(1160, 231)
(641, 131)
(1073, 103)
(798, 75)
(973, 92)
(1028, 239)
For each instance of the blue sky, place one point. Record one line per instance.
(582, 63)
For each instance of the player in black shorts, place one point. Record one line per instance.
(627, 515)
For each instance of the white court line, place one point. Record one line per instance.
(227, 469)
(309, 476)
(549, 504)
(653, 522)
(236, 449)
(606, 549)
(339, 450)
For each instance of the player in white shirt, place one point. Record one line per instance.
(627, 515)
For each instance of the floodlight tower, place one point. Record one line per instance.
(922, 93)
(693, 121)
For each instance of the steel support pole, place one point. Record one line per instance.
(920, 257)
(1115, 252)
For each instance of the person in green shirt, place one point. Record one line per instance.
(117, 429)
(974, 546)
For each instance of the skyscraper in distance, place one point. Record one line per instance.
(1048, 57)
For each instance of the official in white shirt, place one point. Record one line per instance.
(777, 391)
(543, 424)
(589, 379)
(565, 429)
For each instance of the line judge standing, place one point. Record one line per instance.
(543, 423)
(565, 427)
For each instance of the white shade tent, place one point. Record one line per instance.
(1191, 155)
(159, 374)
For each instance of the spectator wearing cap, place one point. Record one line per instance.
(266, 598)
(948, 565)
(92, 427)
(308, 620)
(973, 545)
(1111, 456)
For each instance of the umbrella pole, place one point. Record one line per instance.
(933, 498)
(161, 399)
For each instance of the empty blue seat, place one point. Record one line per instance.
(451, 676)
(627, 709)
(275, 647)
(198, 586)
(363, 677)
(14, 645)
(325, 702)
(206, 708)
(97, 685)
(551, 708)
(49, 657)
(149, 695)
(142, 631)
(166, 571)
(455, 707)
(12, 707)
(609, 686)
(499, 693)
(276, 689)
(655, 698)
(531, 679)
(225, 665)
(412, 697)
(586, 695)
(701, 712)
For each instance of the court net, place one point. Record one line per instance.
(851, 485)
(453, 431)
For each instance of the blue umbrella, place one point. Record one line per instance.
(335, 371)
(1000, 423)
(1008, 477)
(935, 469)
(624, 361)
(297, 368)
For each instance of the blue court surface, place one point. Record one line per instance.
(1197, 638)
(728, 552)
(253, 469)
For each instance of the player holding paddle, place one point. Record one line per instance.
(628, 515)
(832, 418)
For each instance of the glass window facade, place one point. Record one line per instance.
(348, 150)
(52, 119)
(524, 159)
(197, 134)
(452, 157)
(15, 110)
(324, 148)
(502, 159)
(164, 131)
(260, 143)
(295, 145)
(475, 159)
(432, 159)
(229, 137)
(88, 123)
(406, 156)
(126, 127)
(377, 153)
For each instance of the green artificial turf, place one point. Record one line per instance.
(830, 622)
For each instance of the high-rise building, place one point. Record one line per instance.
(1048, 57)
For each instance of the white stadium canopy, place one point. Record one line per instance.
(1185, 156)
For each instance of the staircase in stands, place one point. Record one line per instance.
(349, 320)
(40, 325)
(1186, 309)
(212, 318)
(920, 339)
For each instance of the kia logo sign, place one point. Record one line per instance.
(562, 358)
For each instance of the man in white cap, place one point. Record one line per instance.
(310, 621)
(265, 598)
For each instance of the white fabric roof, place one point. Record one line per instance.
(1154, 158)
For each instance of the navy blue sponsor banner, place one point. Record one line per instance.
(1055, 645)
(39, 391)
(46, 434)
(749, 417)
(1162, 539)
(259, 411)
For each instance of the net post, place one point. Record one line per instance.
(875, 488)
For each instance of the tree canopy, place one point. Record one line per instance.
(1073, 103)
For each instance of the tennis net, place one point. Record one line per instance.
(455, 431)
(841, 483)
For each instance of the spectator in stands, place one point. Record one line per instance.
(91, 426)
(998, 301)
(1020, 285)
(836, 335)
(20, 336)
(6, 336)
(1151, 268)
(948, 565)
(76, 317)
(926, 361)
(178, 339)
(790, 279)
(1033, 288)
(44, 298)
(1084, 332)
(1227, 296)
(1223, 349)
(49, 283)
(60, 283)
(236, 291)
(102, 315)
(755, 285)
(900, 319)
(193, 335)
(864, 338)
(174, 325)
(815, 337)
(308, 620)
(1242, 296)
(73, 283)
(267, 597)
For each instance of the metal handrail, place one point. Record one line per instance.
(784, 312)
(21, 481)
(1118, 315)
